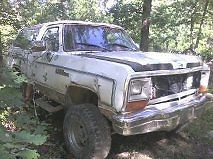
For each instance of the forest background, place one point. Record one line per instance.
(176, 26)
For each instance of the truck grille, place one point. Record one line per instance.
(172, 84)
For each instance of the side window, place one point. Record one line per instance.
(51, 38)
(25, 37)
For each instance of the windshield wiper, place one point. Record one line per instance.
(121, 45)
(93, 45)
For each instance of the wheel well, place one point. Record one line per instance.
(79, 95)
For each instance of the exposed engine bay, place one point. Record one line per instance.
(172, 84)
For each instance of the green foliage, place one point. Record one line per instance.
(128, 15)
(5, 154)
(27, 137)
(210, 90)
(8, 14)
(20, 130)
(198, 129)
(174, 24)
(174, 27)
(14, 139)
(7, 35)
(9, 96)
(28, 154)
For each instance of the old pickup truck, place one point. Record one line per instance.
(96, 73)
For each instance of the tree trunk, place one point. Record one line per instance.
(1, 56)
(192, 21)
(144, 43)
(211, 75)
(62, 10)
(201, 23)
(1, 59)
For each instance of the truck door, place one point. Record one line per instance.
(44, 67)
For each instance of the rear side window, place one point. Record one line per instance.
(25, 37)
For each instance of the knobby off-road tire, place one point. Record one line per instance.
(87, 132)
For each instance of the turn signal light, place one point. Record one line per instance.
(202, 89)
(136, 105)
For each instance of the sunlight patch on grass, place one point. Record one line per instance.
(136, 155)
(3, 86)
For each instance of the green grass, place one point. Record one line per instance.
(210, 90)
(199, 128)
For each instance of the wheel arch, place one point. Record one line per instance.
(76, 95)
(79, 95)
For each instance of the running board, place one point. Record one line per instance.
(48, 107)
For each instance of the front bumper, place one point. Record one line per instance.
(162, 117)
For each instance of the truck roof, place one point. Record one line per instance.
(75, 22)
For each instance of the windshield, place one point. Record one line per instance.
(100, 38)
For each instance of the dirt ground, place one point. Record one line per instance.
(193, 142)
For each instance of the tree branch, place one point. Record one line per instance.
(201, 24)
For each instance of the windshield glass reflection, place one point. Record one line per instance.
(100, 38)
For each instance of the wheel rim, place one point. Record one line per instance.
(77, 134)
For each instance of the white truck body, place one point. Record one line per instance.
(108, 75)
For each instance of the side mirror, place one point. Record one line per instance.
(38, 46)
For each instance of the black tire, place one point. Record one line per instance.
(87, 133)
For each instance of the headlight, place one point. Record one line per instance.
(139, 89)
(135, 87)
